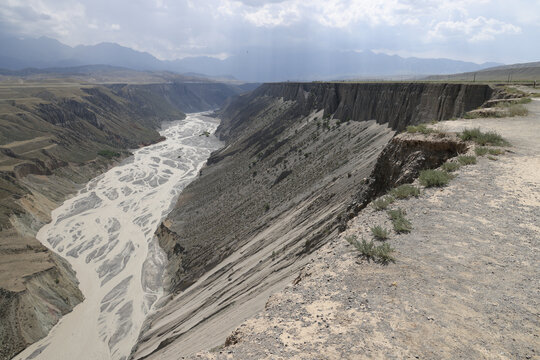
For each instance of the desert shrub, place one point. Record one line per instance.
(421, 128)
(380, 233)
(109, 154)
(400, 223)
(383, 202)
(492, 158)
(481, 150)
(405, 191)
(495, 151)
(524, 100)
(483, 138)
(450, 166)
(369, 250)
(517, 110)
(431, 178)
(467, 160)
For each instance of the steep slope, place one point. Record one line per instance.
(463, 284)
(296, 156)
(55, 137)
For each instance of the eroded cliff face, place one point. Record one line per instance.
(297, 157)
(49, 145)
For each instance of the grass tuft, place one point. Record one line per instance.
(483, 138)
(467, 160)
(450, 166)
(109, 154)
(405, 191)
(400, 223)
(368, 249)
(383, 202)
(380, 233)
(482, 150)
(431, 178)
(517, 110)
(421, 128)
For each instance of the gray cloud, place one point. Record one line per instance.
(170, 29)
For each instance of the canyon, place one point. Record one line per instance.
(296, 165)
(56, 136)
(299, 160)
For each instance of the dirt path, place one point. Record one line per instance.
(466, 283)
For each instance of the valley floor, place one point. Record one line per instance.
(465, 284)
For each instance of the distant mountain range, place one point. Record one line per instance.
(254, 64)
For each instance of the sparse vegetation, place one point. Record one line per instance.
(482, 150)
(405, 191)
(517, 110)
(450, 166)
(434, 178)
(205, 133)
(483, 138)
(400, 223)
(421, 128)
(383, 202)
(109, 154)
(467, 160)
(492, 151)
(492, 158)
(524, 100)
(266, 207)
(369, 250)
(380, 233)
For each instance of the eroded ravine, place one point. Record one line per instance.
(106, 233)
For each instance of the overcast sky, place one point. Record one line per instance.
(475, 30)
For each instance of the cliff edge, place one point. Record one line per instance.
(295, 167)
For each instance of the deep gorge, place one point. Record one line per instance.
(299, 159)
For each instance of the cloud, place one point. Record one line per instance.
(472, 29)
(172, 29)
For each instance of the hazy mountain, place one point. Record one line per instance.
(254, 64)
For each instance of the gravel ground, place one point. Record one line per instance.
(465, 284)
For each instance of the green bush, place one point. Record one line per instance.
(431, 178)
(487, 138)
(450, 166)
(421, 128)
(369, 250)
(405, 191)
(400, 223)
(380, 233)
(517, 110)
(467, 160)
(109, 154)
(383, 202)
(495, 151)
(481, 150)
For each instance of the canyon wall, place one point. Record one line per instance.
(299, 158)
(53, 139)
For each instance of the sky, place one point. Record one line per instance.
(472, 30)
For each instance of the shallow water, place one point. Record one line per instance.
(106, 233)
